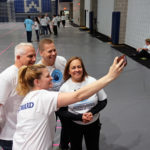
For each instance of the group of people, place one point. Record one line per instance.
(32, 95)
(42, 25)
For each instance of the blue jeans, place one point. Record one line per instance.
(6, 145)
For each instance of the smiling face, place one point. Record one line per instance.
(45, 81)
(76, 70)
(29, 57)
(49, 54)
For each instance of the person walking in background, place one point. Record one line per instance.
(28, 25)
(63, 20)
(48, 23)
(54, 22)
(37, 27)
(58, 21)
(44, 25)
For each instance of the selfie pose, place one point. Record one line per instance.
(35, 120)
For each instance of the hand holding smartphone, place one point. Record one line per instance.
(124, 59)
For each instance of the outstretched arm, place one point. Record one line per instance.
(64, 99)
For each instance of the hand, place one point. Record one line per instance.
(139, 49)
(115, 69)
(87, 117)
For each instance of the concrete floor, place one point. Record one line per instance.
(125, 123)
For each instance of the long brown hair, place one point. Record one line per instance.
(66, 71)
(26, 77)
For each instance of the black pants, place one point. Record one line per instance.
(37, 34)
(58, 24)
(49, 29)
(29, 36)
(143, 53)
(63, 23)
(45, 31)
(6, 145)
(55, 30)
(91, 135)
(65, 133)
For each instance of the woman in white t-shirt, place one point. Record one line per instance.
(83, 116)
(37, 27)
(36, 116)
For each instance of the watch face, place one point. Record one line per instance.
(57, 76)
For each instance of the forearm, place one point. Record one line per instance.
(64, 113)
(64, 99)
(100, 106)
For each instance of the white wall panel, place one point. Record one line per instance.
(87, 5)
(138, 22)
(104, 16)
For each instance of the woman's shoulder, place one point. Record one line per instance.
(90, 79)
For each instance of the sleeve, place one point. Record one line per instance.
(100, 106)
(47, 102)
(5, 90)
(63, 112)
(102, 102)
(148, 47)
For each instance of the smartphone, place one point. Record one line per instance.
(124, 58)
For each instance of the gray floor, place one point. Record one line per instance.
(125, 123)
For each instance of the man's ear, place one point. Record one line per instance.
(18, 57)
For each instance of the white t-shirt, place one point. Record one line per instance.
(10, 100)
(58, 18)
(63, 18)
(47, 19)
(56, 71)
(36, 25)
(148, 47)
(43, 22)
(54, 21)
(85, 105)
(36, 121)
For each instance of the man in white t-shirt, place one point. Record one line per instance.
(54, 22)
(48, 21)
(9, 100)
(55, 64)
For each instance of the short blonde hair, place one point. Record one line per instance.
(43, 42)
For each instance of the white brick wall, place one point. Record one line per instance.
(104, 16)
(138, 22)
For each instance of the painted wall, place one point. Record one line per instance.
(63, 5)
(76, 12)
(138, 22)
(87, 5)
(32, 6)
(104, 16)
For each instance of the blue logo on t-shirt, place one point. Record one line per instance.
(26, 106)
(57, 76)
